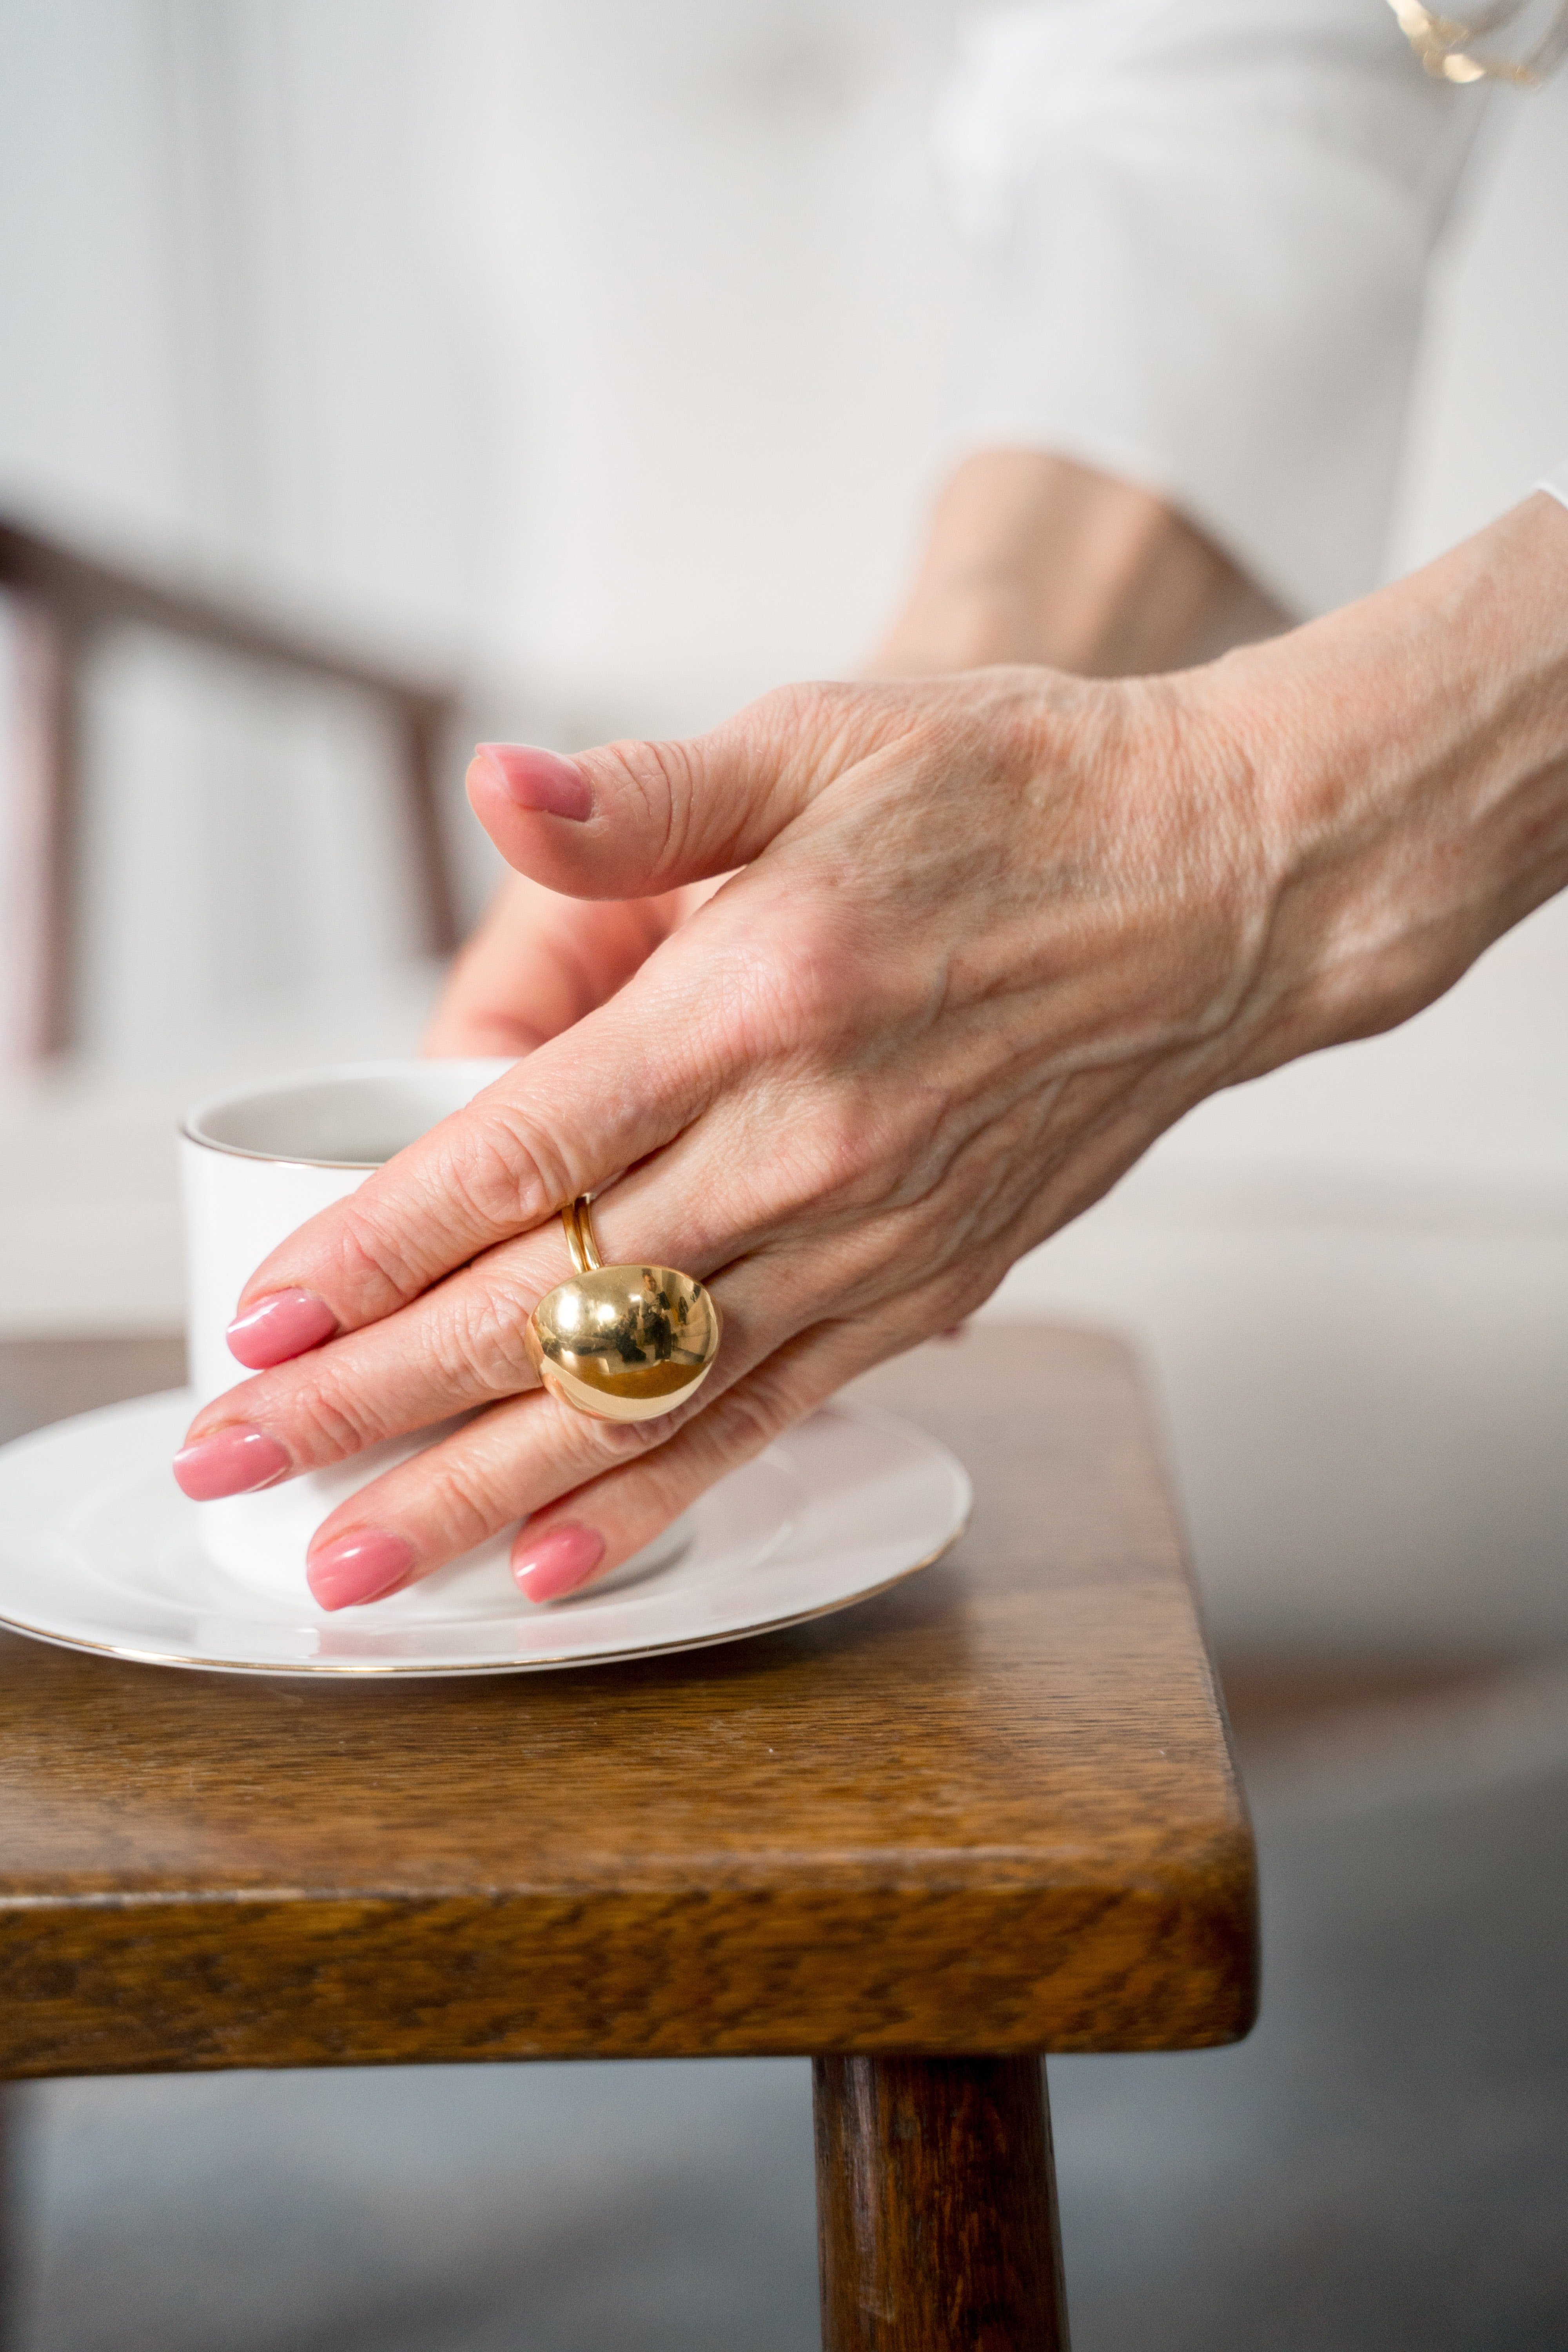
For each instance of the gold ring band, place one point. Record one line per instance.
(577, 1218)
(621, 1342)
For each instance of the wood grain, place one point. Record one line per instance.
(936, 2206)
(992, 1811)
(42, 1380)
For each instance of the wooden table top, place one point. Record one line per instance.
(992, 1810)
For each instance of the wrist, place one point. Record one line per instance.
(1410, 757)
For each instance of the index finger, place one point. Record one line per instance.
(559, 1123)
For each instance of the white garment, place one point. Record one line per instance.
(1206, 225)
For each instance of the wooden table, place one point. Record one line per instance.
(988, 1814)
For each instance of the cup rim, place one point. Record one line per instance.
(496, 1065)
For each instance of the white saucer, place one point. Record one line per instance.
(99, 1550)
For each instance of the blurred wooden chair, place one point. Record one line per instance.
(66, 603)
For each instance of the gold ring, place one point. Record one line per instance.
(621, 1342)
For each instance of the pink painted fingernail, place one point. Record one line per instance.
(277, 1327)
(358, 1567)
(540, 780)
(557, 1561)
(233, 1460)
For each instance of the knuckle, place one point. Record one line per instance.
(800, 710)
(799, 986)
(852, 1144)
(823, 717)
(471, 1493)
(502, 1171)
(328, 1425)
(655, 781)
(374, 1252)
(835, 1151)
(483, 1339)
(612, 1442)
(1009, 735)
(749, 1417)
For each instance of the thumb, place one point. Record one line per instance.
(634, 819)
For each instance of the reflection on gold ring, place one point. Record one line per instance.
(621, 1342)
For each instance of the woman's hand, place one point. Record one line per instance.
(1029, 557)
(992, 934)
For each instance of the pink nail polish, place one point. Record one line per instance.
(540, 780)
(545, 1566)
(358, 1567)
(277, 1327)
(233, 1460)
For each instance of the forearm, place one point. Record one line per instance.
(1032, 558)
(1413, 752)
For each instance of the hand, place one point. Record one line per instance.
(1029, 558)
(992, 935)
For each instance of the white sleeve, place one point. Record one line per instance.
(1557, 484)
(1205, 226)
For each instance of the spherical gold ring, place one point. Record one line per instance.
(621, 1342)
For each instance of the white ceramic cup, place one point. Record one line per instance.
(256, 1163)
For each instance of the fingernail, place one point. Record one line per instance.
(540, 780)
(277, 1327)
(557, 1561)
(358, 1567)
(234, 1461)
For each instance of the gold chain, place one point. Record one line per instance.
(1443, 43)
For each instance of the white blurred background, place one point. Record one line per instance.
(602, 354)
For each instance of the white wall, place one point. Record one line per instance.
(719, 281)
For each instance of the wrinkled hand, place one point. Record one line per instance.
(1029, 557)
(990, 936)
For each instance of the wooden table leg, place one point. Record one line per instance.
(936, 2206)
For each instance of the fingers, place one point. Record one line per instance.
(562, 1122)
(537, 963)
(459, 1492)
(767, 1186)
(585, 1534)
(514, 1459)
(637, 818)
(623, 1080)
(463, 1345)
(460, 1345)
(719, 999)
(525, 1457)
(724, 1190)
